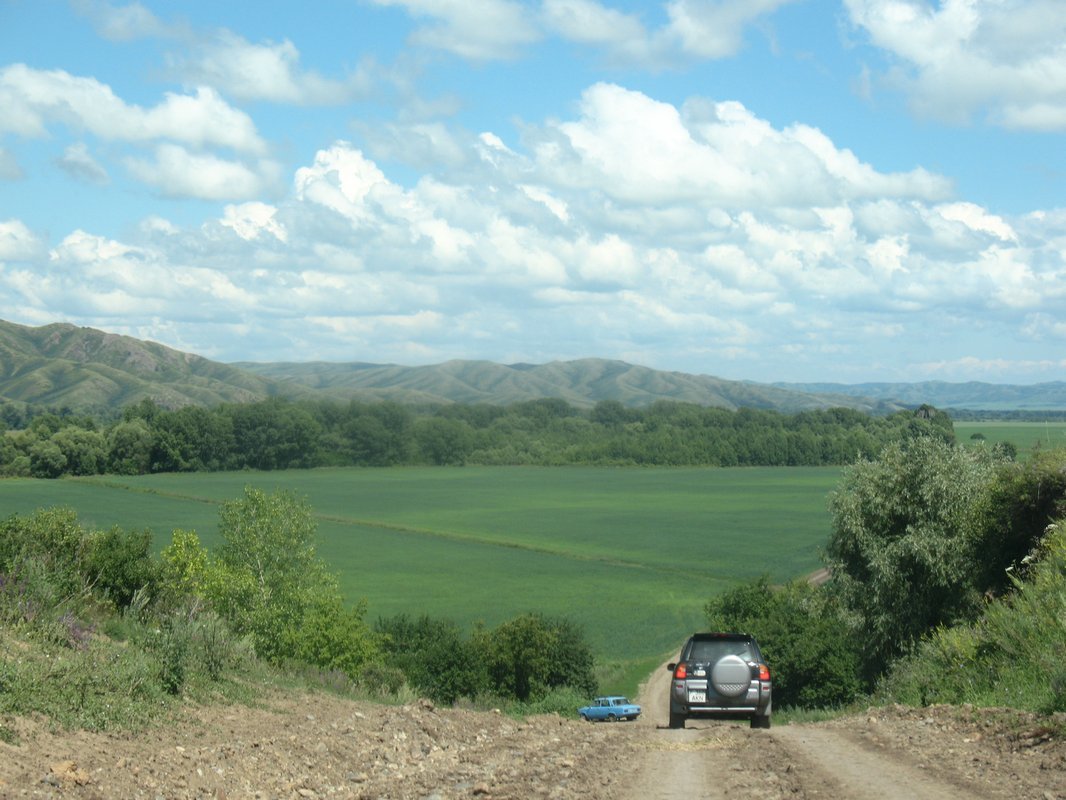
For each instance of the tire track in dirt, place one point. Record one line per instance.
(888, 754)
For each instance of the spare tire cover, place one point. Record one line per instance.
(731, 676)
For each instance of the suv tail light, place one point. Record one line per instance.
(764, 672)
(681, 672)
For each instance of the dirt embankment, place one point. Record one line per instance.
(318, 746)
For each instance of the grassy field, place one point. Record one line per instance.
(631, 554)
(1023, 435)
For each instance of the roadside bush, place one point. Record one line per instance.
(813, 661)
(1025, 499)
(47, 546)
(434, 656)
(531, 655)
(331, 635)
(119, 562)
(1013, 655)
(564, 701)
(903, 550)
(268, 584)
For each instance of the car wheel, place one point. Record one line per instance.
(761, 721)
(677, 720)
(611, 717)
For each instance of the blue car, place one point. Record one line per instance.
(609, 709)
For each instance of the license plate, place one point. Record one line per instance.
(697, 697)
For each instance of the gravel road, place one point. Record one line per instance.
(320, 746)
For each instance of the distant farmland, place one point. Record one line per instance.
(1023, 435)
(632, 554)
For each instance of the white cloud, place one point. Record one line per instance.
(177, 172)
(1005, 59)
(267, 71)
(714, 28)
(35, 99)
(253, 220)
(17, 242)
(636, 227)
(121, 23)
(80, 165)
(694, 30)
(486, 30)
(644, 151)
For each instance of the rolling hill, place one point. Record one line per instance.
(62, 365)
(83, 368)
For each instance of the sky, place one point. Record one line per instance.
(767, 190)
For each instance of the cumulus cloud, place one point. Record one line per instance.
(487, 30)
(714, 28)
(121, 23)
(641, 150)
(702, 230)
(34, 99)
(1004, 59)
(253, 220)
(80, 165)
(265, 71)
(17, 242)
(694, 29)
(177, 172)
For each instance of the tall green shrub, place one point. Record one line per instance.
(803, 637)
(903, 548)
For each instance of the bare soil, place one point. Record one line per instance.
(321, 746)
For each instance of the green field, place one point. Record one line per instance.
(1023, 435)
(631, 554)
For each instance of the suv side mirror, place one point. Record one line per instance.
(671, 666)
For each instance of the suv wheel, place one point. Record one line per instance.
(676, 720)
(761, 721)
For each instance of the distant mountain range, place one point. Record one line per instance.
(87, 369)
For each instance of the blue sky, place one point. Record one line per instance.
(768, 190)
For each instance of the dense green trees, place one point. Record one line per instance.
(903, 549)
(800, 629)
(946, 585)
(191, 614)
(278, 434)
(523, 659)
(268, 583)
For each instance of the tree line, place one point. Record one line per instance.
(280, 434)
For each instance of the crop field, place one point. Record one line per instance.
(630, 554)
(1023, 435)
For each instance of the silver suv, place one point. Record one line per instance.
(720, 676)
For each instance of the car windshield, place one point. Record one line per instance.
(620, 701)
(709, 651)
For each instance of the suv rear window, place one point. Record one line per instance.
(710, 651)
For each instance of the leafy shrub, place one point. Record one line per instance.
(803, 637)
(903, 550)
(1013, 655)
(563, 700)
(434, 656)
(531, 655)
(268, 584)
(118, 563)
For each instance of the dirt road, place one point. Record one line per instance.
(312, 746)
(886, 754)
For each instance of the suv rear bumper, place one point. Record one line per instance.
(756, 701)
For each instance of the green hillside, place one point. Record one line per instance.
(83, 368)
(86, 369)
